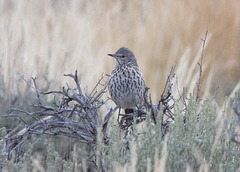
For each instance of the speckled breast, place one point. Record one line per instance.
(126, 86)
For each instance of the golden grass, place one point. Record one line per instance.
(50, 38)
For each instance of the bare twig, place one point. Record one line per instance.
(200, 68)
(166, 98)
(75, 77)
(38, 95)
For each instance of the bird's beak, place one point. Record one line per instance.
(113, 55)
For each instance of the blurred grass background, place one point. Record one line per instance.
(50, 38)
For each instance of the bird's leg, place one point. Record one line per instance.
(140, 115)
(127, 111)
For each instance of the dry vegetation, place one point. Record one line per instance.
(47, 39)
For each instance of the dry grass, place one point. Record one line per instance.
(50, 38)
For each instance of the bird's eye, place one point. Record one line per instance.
(123, 56)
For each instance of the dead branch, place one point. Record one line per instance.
(200, 68)
(168, 102)
(75, 117)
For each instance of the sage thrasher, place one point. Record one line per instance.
(126, 85)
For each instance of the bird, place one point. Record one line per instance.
(126, 84)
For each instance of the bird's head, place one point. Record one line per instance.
(124, 56)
